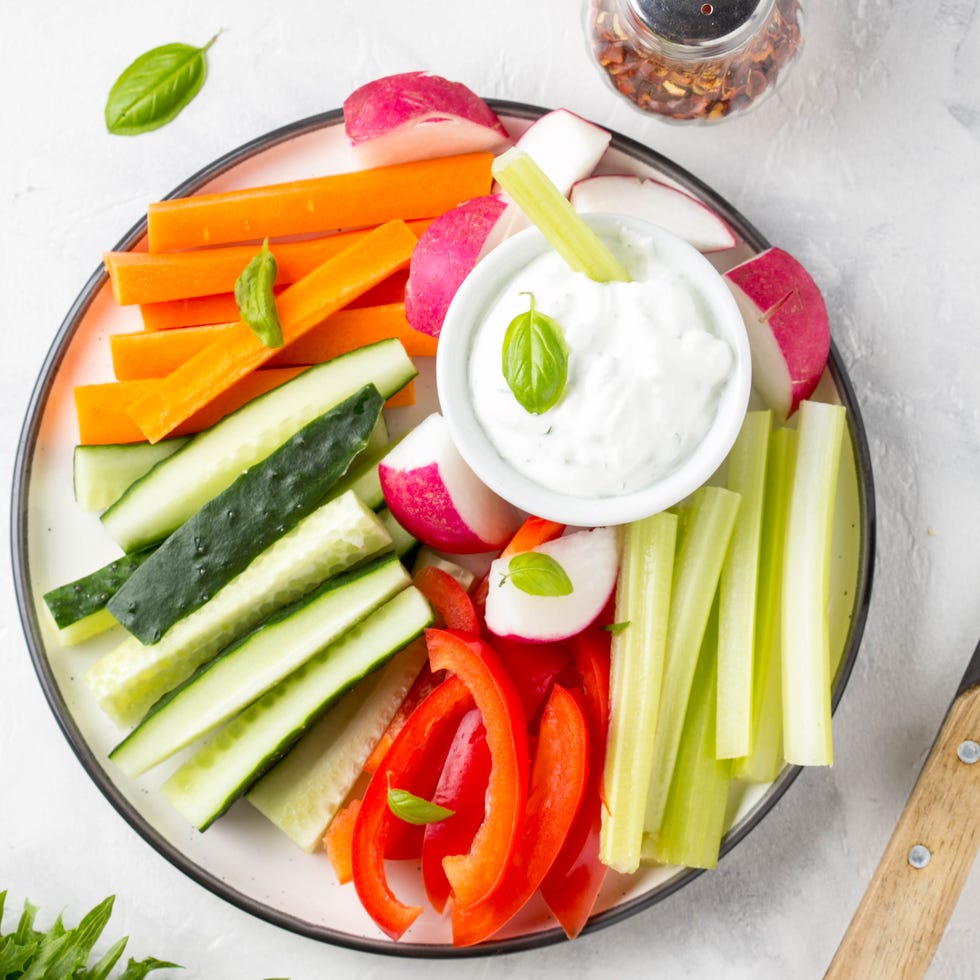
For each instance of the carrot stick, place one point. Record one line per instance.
(221, 307)
(422, 189)
(148, 354)
(143, 277)
(301, 307)
(102, 408)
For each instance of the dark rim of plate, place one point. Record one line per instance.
(94, 767)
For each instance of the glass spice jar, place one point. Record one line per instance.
(689, 60)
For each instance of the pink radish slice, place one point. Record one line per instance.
(657, 203)
(788, 327)
(565, 146)
(589, 558)
(414, 116)
(437, 498)
(447, 250)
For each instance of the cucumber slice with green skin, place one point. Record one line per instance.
(221, 771)
(128, 680)
(102, 474)
(254, 664)
(302, 793)
(266, 501)
(401, 540)
(87, 596)
(173, 490)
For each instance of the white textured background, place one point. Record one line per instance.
(866, 165)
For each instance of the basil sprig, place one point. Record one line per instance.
(155, 88)
(256, 300)
(538, 574)
(413, 809)
(535, 359)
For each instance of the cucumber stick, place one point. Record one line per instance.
(102, 474)
(218, 541)
(130, 678)
(636, 672)
(249, 667)
(78, 608)
(302, 793)
(223, 769)
(174, 489)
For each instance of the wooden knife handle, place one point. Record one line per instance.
(904, 912)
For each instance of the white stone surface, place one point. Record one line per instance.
(866, 165)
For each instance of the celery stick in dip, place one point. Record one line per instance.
(645, 374)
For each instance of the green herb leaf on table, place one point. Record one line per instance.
(256, 300)
(413, 809)
(535, 359)
(155, 88)
(538, 574)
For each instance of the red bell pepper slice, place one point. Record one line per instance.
(557, 783)
(534, 668)
(451, 602)
(434, 721)
(462, 789)
(338, 841)
(474, 875)
(572, 884)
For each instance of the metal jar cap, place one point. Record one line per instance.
(696, 24)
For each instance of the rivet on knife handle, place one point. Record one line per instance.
(904, 912)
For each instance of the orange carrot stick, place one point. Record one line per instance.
(143, 277)
(301, 306)
(422, 189)
(102, 408)
(148, 354)
(222, 308)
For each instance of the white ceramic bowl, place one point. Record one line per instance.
(463, 321)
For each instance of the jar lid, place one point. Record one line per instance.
(694, 24)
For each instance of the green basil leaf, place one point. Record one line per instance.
(413, 809)
(535, 360)
(155, 88)
(256, 300)
(538, 574)
(615, 628)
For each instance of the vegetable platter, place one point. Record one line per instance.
(242, 857)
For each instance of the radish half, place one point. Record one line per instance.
(788, 327)
(438, 499)
(415, 116)
(658, 203)
(565, 146)
(589, 558)
(447, 251)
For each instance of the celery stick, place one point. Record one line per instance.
(766, 759)
(739, 587)
(694, 818)
(706, 531)
(555, 217)
(636, 671)
(806, 586)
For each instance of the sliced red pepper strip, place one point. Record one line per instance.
(557, 783)
(462, 788)
(451, 602)
(534, 668)
(534, 531)
(474, 875)
(338, 841)
(572, 884)
(435, 719)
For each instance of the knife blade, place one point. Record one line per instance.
(903, 914)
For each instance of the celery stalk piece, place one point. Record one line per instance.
(738, 588)
(806, 587)
(555, 218)
(766, 759)
(636, 671)
(694, 818)
(706, 528)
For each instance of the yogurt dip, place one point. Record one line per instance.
(645, 373)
